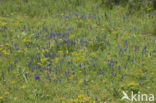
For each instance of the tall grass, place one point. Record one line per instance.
(65, 51)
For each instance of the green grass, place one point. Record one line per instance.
(116, 52)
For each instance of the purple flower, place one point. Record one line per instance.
(29, 63)
(119, 67)
(37, 77)
(96, 99)
(76, 78)
(135, 29)
(60, 81)
(45, 29)
(136, 48)
(73, 73)
(116, 62)
(48, 77)
(142, 52)
(52, 34)
(26, 74)
(76, 14)
(67, 79)
(84, 81)
(3, 76)
(38, 66)
(80, 65)
(145, 47)
(38, 58)
(150, 53)
(100, 70)
(49, 68)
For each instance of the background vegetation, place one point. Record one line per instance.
(76, 51)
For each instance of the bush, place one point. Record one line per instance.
(135, 5)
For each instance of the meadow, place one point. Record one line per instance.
(76, 51)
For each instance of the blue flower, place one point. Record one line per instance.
(3, 76)
(26, 74)
(37, 77)
(96, 99)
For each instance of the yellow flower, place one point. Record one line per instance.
(25, 39)
(1, 47)
(81, 21)
(91, 43)
(15, 98)
(60, 52)
(122, 85)
(2, 18)
(13, 82)
(149, 9)
(86, 99)
(39, 63)
(16, 23)
(87, 66)
(74, 54)
(38, 30)
(46, 50)
(149, 34)
(12, 13)
(6, 93)
(109, 57)
(60, 39)
(3, 24)
(140, 35)
(71, 36)
(34, 18)
(113, 101)
(56, 60)
(93, 54)
(61, 98)
(81, 96)
(44, 60)
(1, 97)
(95, 26)
(133, 83)
(51, 44)
(80, 101)
(71, 77)
(101, 43)
(19, 51)
(118, 64)
(148, 56)
(77, 58)
(94, 101)
(104, 62)
(71, 100)
(5, 52)
(66, 51)
(23, 86)
(88, 20)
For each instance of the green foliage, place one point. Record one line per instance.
(96, 49)
(136, 5)
(49, 7)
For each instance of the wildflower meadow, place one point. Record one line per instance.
(77, 51)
